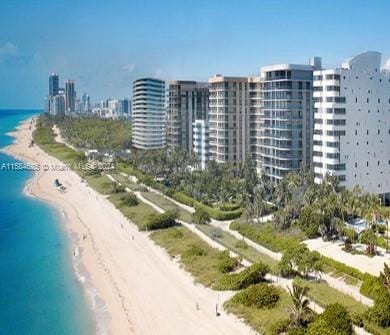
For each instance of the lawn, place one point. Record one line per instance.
(267, 236)
(239, 247)
(126, 182)
(323, 294)
(195, 255)
(167, 204)
(136, 214)
(262, 320)
(100, 183)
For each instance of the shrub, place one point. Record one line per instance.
(337, 318)
(237, 281)
(371, 286)
(380, 312)
(320, 327)
(216, 233)
(226, 263)
(241, 245)
(129, 199)
(213, 212)
(194, 250)
(161, 221)
(175, 233)
(116, 188)
(258, 296)
(201, 216)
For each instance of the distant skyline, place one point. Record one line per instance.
(105, 45)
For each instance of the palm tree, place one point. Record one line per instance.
(371, 210)
(385, 214)
(300, 313)
(384, 277)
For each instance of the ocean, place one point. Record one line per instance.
(39, 291)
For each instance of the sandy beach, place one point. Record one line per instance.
(133, 284)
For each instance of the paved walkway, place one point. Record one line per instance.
(372, 265)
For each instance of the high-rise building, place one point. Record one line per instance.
(352, 124)
(286, 119)
(53, 84)
(70, 96)
(124, 108)
(57, 104)
(187, 101)
(255, 120)
(229, 119)
(201, 142)
(148, 113)
(85, 103)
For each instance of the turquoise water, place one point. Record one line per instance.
(39, 292)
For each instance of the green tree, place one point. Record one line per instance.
(201, 216)
(298, 258)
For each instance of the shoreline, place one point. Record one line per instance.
(95, 303)
(137, 288)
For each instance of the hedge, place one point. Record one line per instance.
(258, 296)
(213, 212)
(344, 268)
(237, 281)
(161, 221)
(370, 286)
(229, 207)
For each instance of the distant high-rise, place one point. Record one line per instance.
(85, 103)
(187, 101)
(124, 108)
(53, 84)
(70, 96)
(148, 113)
(201, 142)
(57, 104)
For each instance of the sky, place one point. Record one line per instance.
(104, 45)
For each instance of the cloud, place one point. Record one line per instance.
(8, 51)
(160, 74)
(129, 67)
(387, 65)
(11, 55)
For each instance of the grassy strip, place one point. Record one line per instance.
(44, 137)
(239, 247)
(100, 183)
(167, 205)
(136, 214)
(321, 293)
(195, 255)
(126, 182)
(267, 236)
(263, 321)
